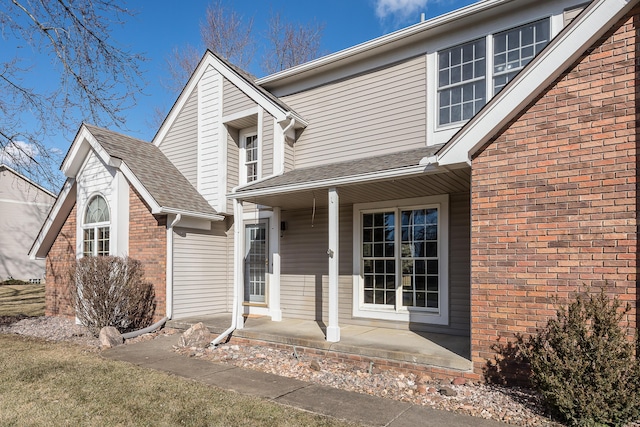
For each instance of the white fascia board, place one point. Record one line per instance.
(559, 54)
(333, 182)
(381, 41)
(37, 250)
(27, 180)
(82, 144)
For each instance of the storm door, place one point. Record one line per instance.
(256, 262)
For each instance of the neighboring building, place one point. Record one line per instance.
(453, 177)
(24, 205)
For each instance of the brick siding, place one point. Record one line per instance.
(60, 259)
(147, 243)
(554, 199)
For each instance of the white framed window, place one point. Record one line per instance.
(461, 81)
(249, 155)
(515, 48)
(401, 260)
(469, 74)
(96, 228)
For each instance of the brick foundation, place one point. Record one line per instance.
(554, 199)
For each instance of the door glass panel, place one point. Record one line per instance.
(255, 263)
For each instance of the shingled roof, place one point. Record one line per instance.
(162, 180)
(350, 168)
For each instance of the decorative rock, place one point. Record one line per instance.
(446, 391)
(197, 336)
(422, 389)
(110, 337)
(315, 365)
(459, 381)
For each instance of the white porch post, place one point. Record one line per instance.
(274, 283)
(333, 330)
(238, 257)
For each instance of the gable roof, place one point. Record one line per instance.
(241, 79)
(594, 21)
(160, 184)
(152, 174)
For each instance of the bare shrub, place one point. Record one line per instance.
(584, 365)
(111, 291)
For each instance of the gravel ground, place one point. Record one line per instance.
(513, 406)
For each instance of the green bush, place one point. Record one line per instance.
(111, 291)
(584, 365)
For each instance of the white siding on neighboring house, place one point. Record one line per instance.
(210, 146)
(180, 144)
(375, 113)
(201, 271)
(235, 100)
(23, 209)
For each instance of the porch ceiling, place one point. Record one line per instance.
(453, 181)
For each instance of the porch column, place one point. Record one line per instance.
(333, 330)
(238, 262)
(274, 283)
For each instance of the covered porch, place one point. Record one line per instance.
(395, 345)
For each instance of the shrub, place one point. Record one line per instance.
(14, 282)
(583, 363)
(111, 291)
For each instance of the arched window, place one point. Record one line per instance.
(96, 228)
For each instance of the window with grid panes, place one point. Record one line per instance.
(96, 228)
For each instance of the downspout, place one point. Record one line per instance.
(169, 273)
(236, 282)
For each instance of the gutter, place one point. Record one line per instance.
(169, 273)
(236, 280)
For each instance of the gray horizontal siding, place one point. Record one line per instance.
(201, 283)
(267, 144)
(234, 99)
(378, 112)
(180, 144)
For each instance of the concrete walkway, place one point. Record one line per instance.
(158, 354)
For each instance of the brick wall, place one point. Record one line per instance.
(554, 198)
(148, 243)
(60, 260)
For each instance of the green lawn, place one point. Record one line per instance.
(22, 299)
(45, 384)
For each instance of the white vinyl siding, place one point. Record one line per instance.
(210, 146)
(233, 161)
(180, 145)
(201, 279)
(378, 112)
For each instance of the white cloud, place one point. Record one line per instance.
(18, 153)
(400, 9)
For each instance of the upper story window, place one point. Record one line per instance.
(463, 86)
(249, 155)
(513, 49)
(461, 81)
(96, 228)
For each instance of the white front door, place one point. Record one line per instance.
(256, 262)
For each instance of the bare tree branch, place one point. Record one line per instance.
(97, 80)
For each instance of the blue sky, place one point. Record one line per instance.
(159, 26)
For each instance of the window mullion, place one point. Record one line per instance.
(398, 259)
(489, 70)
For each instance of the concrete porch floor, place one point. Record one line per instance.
(440, 350)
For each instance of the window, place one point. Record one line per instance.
(250, 154)
(402, 253)
(96, 228)
(513, 49)
(461, 81)
(463, 69)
